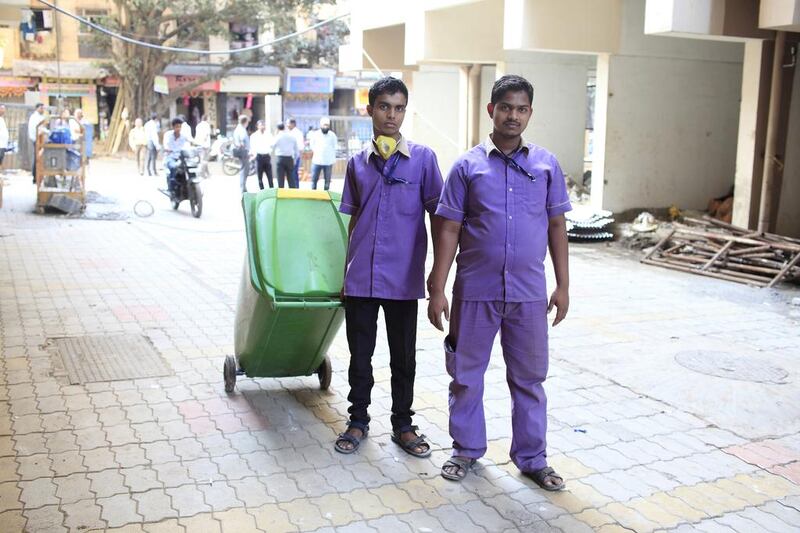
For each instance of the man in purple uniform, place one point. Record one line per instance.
(504, 202)
(387, 189)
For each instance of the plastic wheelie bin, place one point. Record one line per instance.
(289, 307)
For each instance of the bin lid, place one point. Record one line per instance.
(296, 242)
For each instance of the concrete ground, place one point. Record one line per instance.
(674, 399)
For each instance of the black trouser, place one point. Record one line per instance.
(264, 164)
(285, 167)
(401, 330)
(152, 154)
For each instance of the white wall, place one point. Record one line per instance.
(434, 117)
(673, 109)
(788, 222)
(559, 102)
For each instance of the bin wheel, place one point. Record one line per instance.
(229, 372)
(325, 372)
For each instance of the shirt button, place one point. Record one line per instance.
(510, 189)
(510, 217)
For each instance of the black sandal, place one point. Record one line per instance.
(352, 439)
(541, 476)
(409, 446)
(462, 465)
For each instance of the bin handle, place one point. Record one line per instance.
(301, 304)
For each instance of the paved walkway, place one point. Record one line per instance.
(674, 400)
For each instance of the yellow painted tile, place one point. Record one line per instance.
(628, 517)
(741, 491)
(655, 513)
(454, 493)
(201, 522)
(167, 526)
(497, 451)
(395, 499)
(569, 467)
(698, 498)
(594, 518)
(769, 484)
(677, 507)
(577, 497)
(236, 521)
(423, 494)
(369, 505)
(612, 528)
(304, 514)
(336, 509)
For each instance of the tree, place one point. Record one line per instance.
(189, 24)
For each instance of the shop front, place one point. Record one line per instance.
(247, 91)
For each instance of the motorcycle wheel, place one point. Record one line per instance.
(230, 166)
(196, 201)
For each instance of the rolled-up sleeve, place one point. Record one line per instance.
(557, 195)
(431, 183)
(350, 199)
(453, 201)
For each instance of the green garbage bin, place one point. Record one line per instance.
(289, 307)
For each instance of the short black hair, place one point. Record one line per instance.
(511, 83)
(281, 126)
(387, 85)
(176, 121)
(153, 115)
(39, 105)
(292, 121)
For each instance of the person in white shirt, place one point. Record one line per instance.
(202, 133)
(301, 144)
(151, 128)
(287, 153)
(174, 142)
(261, 148)
(4, 134)
(186, 129)
(323, 143)
(34, 121)
(241, 149)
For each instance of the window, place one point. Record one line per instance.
(89, 45)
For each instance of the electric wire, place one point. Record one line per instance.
(137, 42)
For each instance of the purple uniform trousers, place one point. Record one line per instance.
(523, 335)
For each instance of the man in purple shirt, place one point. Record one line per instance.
(504, 202)
(388, 188)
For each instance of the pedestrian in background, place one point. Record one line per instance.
(286, 151)
(202, 135)
(3, 134)
(323, 143)
(301, 144)
(241, 149)
(151, 128)
(261, 148)
(34, 121)
(137, 140)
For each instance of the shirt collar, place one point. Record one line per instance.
(489, 146)
(402, 147)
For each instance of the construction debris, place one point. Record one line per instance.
(644, 223)
(713, 248)
(585, 225)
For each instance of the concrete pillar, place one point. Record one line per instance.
(752, 132)
(600, 126)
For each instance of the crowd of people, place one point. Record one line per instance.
(286, 144)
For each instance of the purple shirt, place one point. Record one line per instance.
(387, 249)
(505, 215)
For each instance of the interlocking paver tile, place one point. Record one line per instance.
(107, 483)
(159, 452)
(273, 519)
(129, 455)
(12, 520)
(219, 495)
(154, 505)
(217, 445)
(594, 518)
(44, 519)
(30, 467)
(99, 459)
(251, 492)
(187, 500)
(82, 515)
(453, 519)
(166, 526)
(336, 509)
(141, 478)
(119, 510)
(38, 493)
(765, 520)
(311, 483)
(368, 504)
(9, 496)
(304, 514)
(73, 488)
(236, 520)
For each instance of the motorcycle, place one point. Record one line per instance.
(232, 165)
(187, 182)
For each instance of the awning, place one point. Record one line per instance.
(69, 89)
(69, 70)
(247, 79)
(13, 86)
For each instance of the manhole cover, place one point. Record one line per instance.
(109, 358)
(732, 366)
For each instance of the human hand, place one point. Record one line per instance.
(560, 300)
(436, 306)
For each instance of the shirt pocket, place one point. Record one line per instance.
(535, 193)
(406, 198)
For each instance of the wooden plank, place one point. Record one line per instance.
(740, 240)
(683, 268)
(752, 249)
